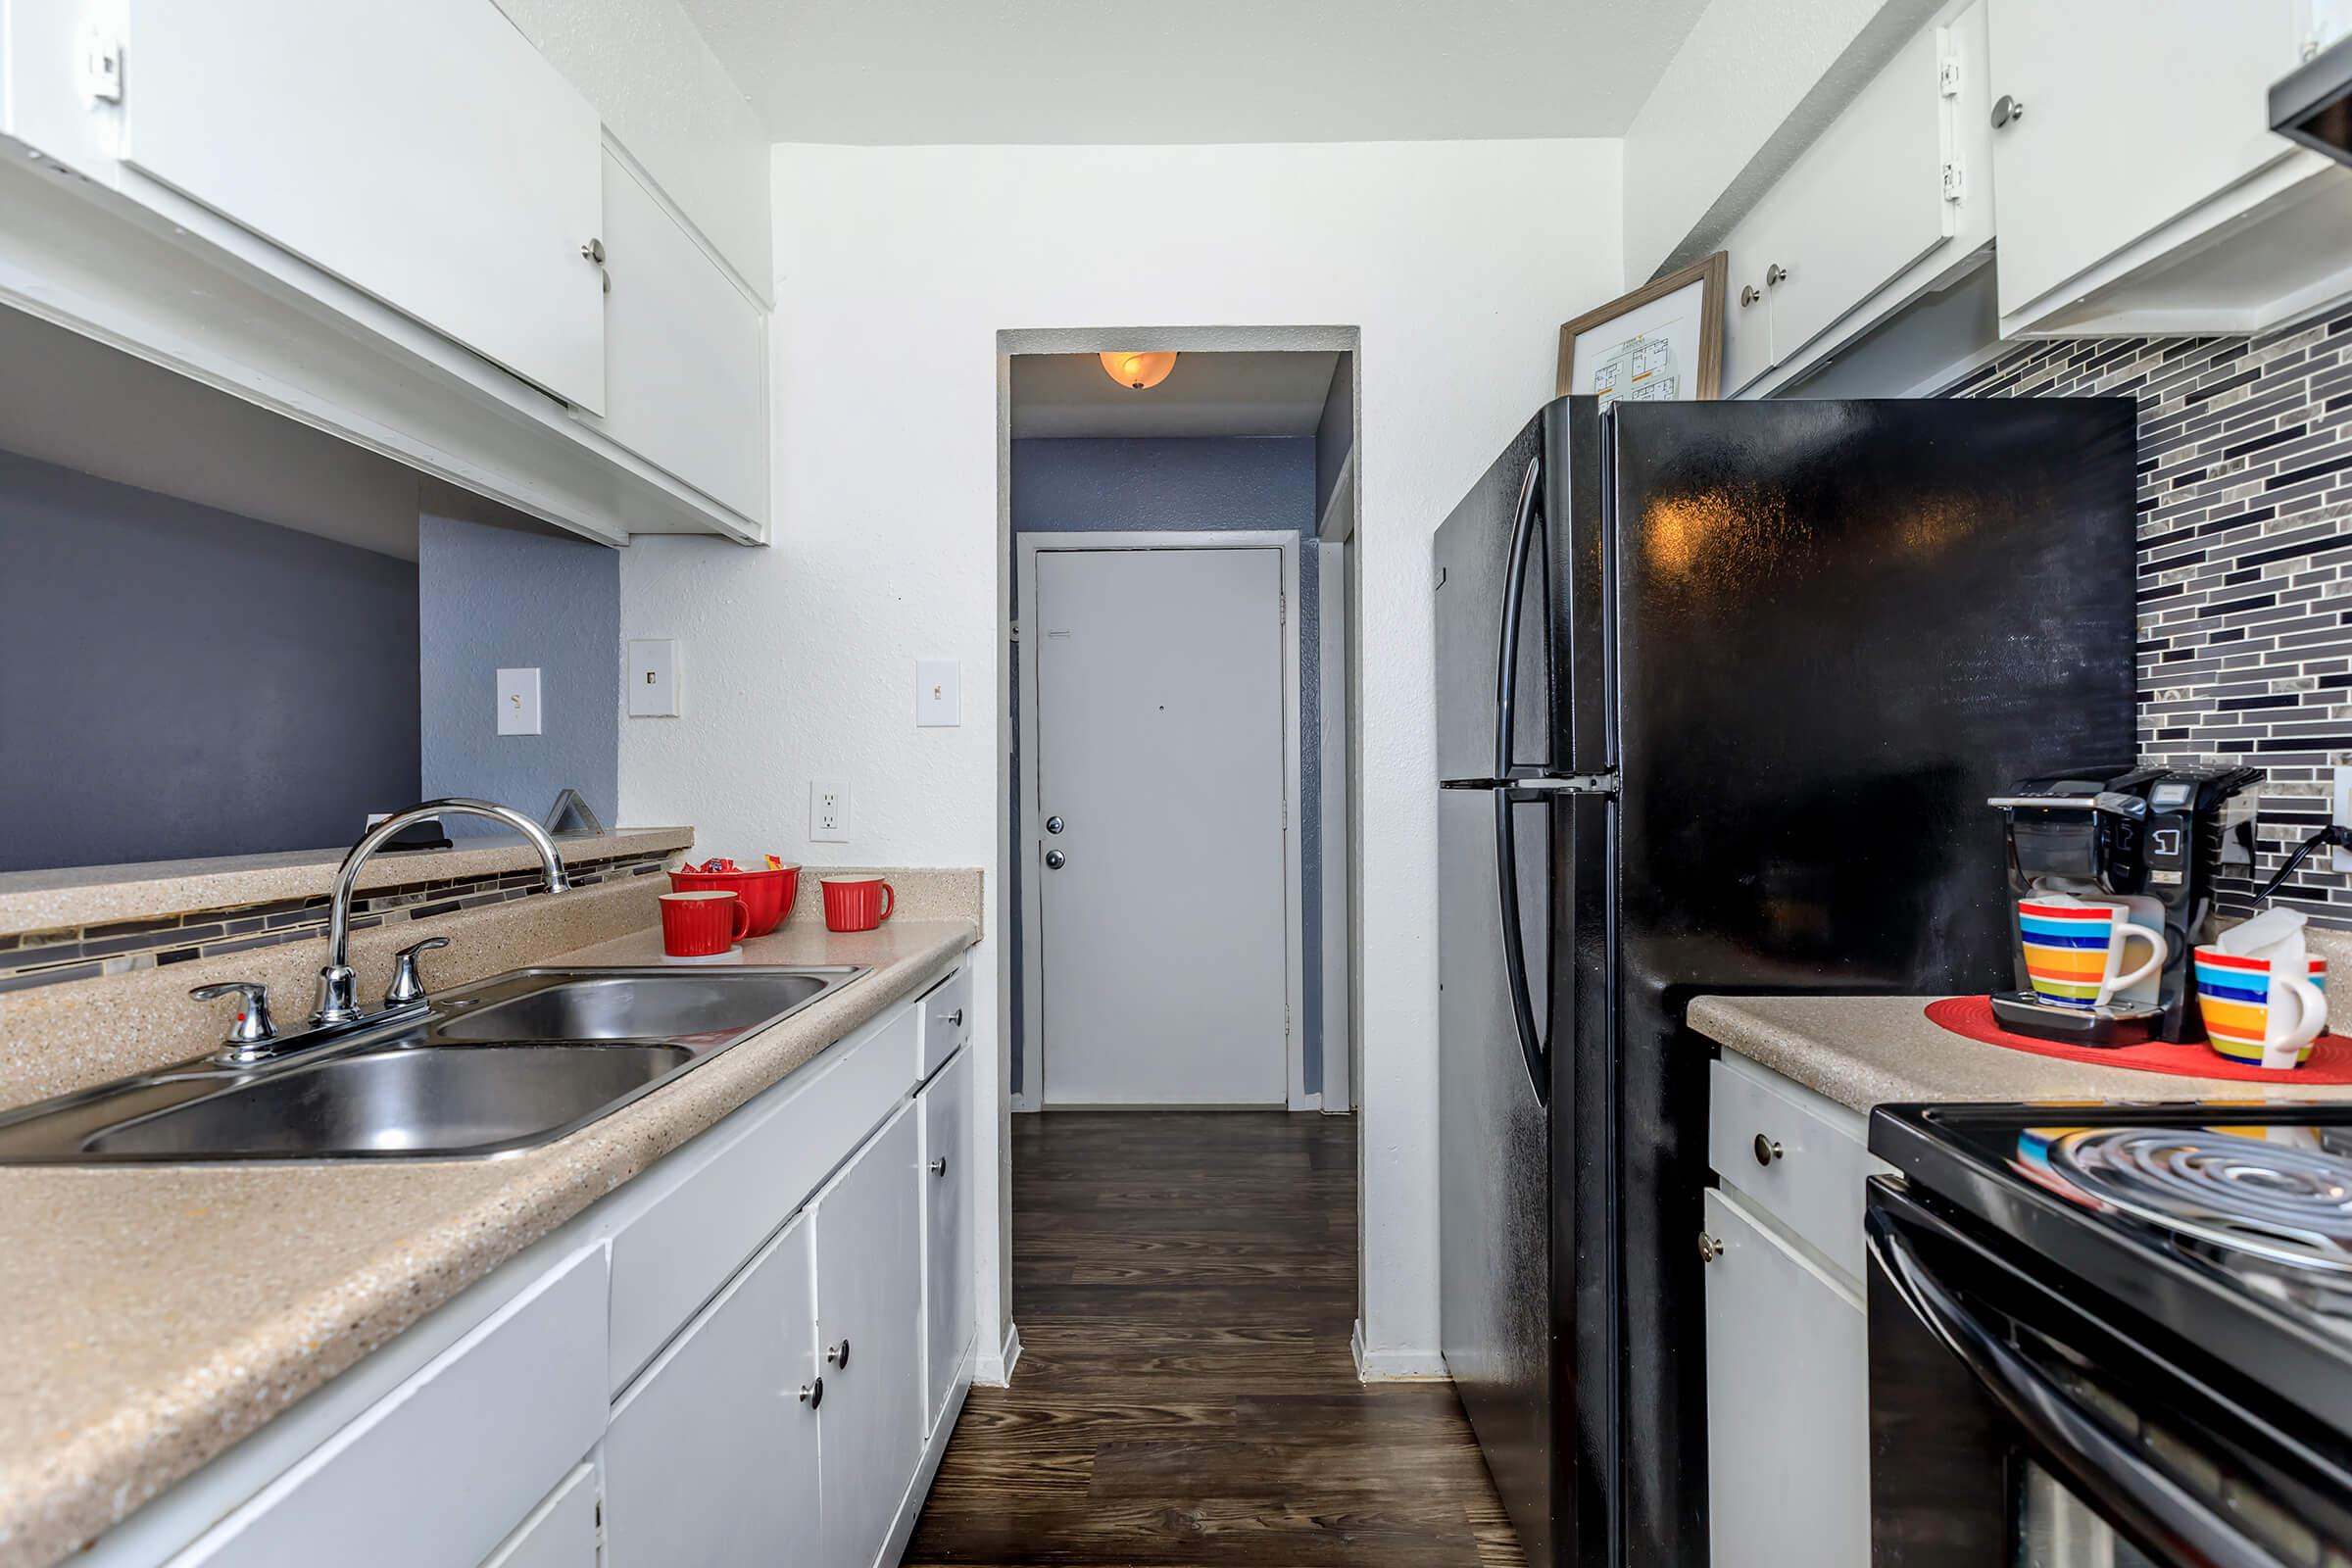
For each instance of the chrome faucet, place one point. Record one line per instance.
(337, 985)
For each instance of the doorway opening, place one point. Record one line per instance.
(1176, 796)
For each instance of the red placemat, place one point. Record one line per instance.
(2330, 1057)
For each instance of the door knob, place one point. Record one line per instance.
(1709, 1248)
(812, 1394)
(1055, 859)
(2005, 109)
(1750, 294)
(939, 1166)
(1775, 275)
(839, 1355)
(1768, 1148)
(1054, 825)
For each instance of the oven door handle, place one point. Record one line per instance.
(2103, 1466)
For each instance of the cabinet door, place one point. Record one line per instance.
(947, 1108)
(421, 152)
(1748, 251)
(870, 1308)
(1787, 1405)
(686, 352)
(2135, 112)
(712, 1455)
(1863, 203)
(560, 1531)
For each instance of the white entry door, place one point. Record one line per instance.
(1160, 757)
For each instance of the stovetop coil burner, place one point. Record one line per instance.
(2286, 1199)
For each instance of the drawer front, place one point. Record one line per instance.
(672, 1254)
(444, 1468)
(947, 1020)
(1808, 1171)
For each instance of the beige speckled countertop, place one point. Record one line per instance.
(1872, 1051)
(156, 1315)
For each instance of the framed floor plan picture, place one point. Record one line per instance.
(1661, 343)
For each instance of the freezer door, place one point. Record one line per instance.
(1491, 585)
(1494, 1152)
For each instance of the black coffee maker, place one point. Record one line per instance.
(2152, 838)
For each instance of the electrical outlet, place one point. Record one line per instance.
(828, 813)
(2343, 813)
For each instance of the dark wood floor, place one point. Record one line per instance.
(1184, 1283)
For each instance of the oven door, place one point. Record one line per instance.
(2018, 1424)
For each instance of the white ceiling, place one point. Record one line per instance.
(1085, 72)
(1207, 394)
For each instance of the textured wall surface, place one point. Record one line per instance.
(492, 598)
(1126, 486)
(2245, 557)
(175, 672)
(897, 267)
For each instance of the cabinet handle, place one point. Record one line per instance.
(838, 1358)
(812, 1394)
(1768, 1150)
(939, 1166)
(1775, 275)
(1750, 294)
(2005, 109)
(1709, 1248)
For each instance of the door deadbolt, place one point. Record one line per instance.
(1055, 859)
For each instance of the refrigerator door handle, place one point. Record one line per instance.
(1507, 661)
(1514, 947)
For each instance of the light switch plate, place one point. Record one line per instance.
(518, 702)
(652, 678)
(938, 693)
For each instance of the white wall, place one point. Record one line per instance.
(1751, 88)
(895, 268)
(664, 96)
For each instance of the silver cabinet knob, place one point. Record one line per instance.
(1055, 859)
(955, 1019)
(1775, 275)
(838, 1356)
(1054, 825)
(1750, 294)
(1709, 1248)
(1768, 1150)
(812, 1394)
(939, 1166)
(594, 251)
(2005, 109)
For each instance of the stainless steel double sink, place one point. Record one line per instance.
(507, 1064)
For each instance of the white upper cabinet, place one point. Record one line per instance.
(2140, 186)
(423, 153)
(686, 352)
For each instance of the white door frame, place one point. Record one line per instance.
(1031, 844)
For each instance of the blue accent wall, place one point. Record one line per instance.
(495, 596)
(182, 681)
(1122, 485)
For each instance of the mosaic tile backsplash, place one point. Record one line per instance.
(2245, 560)
(48, 957)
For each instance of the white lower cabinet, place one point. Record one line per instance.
(948, 1318)
(870, 1310)
(1788, 1404)
(713, 1456)
(560, 1531)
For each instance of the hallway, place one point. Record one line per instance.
(1185, 1285)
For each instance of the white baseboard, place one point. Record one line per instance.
(996, 1371)
(1395, 1366)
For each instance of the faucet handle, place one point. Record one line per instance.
(253, 1027)
(407, 986)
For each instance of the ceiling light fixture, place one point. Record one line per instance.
(1138, 370)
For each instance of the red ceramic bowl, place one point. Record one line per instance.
(767, 895)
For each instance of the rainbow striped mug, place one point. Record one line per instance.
(2248, 1005)
(2074, 949)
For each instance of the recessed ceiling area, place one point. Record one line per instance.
(1083, 72)
(1207, 394)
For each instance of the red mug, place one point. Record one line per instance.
(702, 924)
(857, 903)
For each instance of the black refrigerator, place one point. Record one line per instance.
(1722, 691)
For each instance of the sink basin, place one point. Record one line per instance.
(428, 1100)
(629, 1007)
(492, 1068)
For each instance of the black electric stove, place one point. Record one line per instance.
(2111, 1336)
